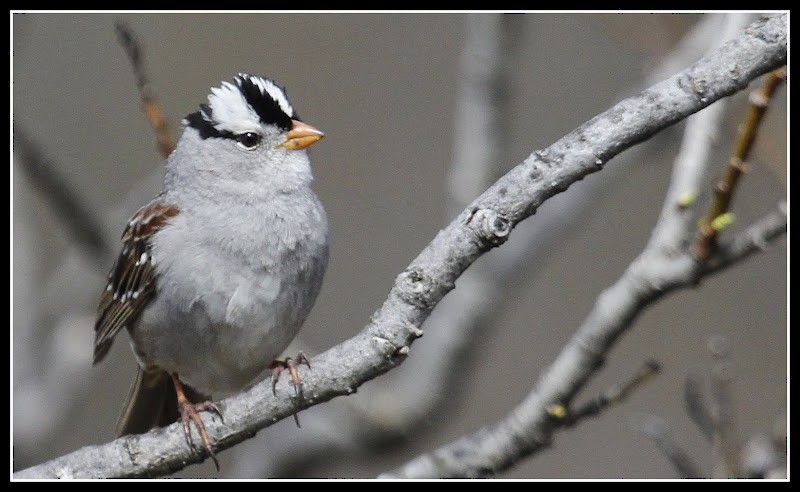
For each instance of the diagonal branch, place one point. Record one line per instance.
(657, 270)
(150, 105)
(486, 223)
(392, 409)
(614, 394)
(656, 429)
(399, 404)
(530, 426)
(45, 176)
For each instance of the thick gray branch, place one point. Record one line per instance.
(486, 223)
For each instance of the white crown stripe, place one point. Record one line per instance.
(230, 110)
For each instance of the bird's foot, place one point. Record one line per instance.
(290, 364)
(190, 413)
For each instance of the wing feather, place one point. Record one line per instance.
(132, 280)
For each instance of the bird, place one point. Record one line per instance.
(218, 272)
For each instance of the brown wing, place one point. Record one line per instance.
(132, 280)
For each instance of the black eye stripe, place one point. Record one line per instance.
(205, 128)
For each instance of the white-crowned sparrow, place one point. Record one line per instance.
(218, 272)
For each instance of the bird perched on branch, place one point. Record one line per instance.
(218, 272)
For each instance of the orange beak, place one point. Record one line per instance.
(301, 136)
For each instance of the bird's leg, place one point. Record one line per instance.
(191, 412)
(290, 364)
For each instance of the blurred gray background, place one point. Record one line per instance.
(383, 88)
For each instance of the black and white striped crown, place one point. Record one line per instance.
(241, 105)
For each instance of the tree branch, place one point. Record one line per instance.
(530, 426)
(77, 218)
(726, 440)
(725, 187)
(612, 395)
(696, 407)
(150, 105)
(399, 404)
(486, 223)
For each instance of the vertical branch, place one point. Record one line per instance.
(487, 59)
(696, 406)
(726, 443)
(690, 169)
(724, 188)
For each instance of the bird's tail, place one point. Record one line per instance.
(152, 402)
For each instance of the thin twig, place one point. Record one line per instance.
(656, 429)
(726, 441)
(695, 405)
(677, 220)
(614, 394)
(150, 105)
(723, 190)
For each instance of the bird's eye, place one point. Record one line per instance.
(249, 139)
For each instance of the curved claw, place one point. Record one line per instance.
(290, 364)
(190, 412)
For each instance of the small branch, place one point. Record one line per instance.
(656, 429)
(44, 173)
(614, 394)
(724, 188)
(696, 406)
(150, 105)
(753, 239)
(78, 220)
(726, 441)
(690, 168)
(486, 223)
